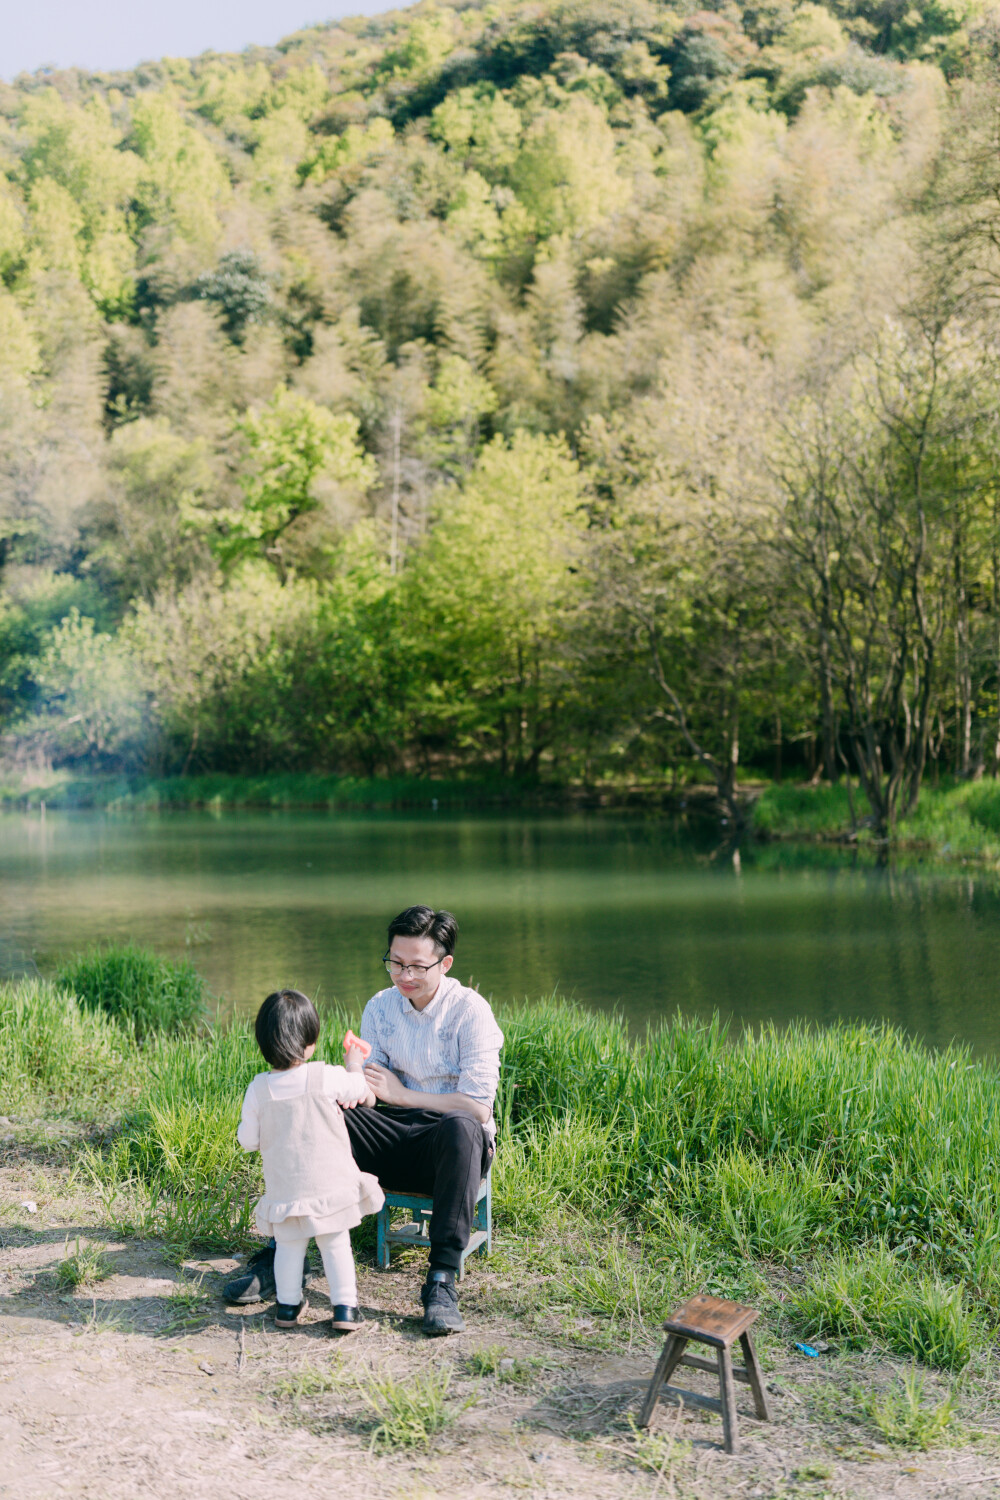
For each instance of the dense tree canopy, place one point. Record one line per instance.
(578, 388)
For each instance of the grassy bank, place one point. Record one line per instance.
(959, 820)
(313, 791)
(278, 790)
(846, 1175)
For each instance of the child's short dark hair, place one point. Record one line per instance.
(286, 1025)
(421, 921)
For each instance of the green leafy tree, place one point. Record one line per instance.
(489, 594)
(182, 184)
(79, 149)
(241, 289)
(92, 701)
(566, 172)
(291, 444)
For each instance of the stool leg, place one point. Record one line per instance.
(481, 1221)
(666, 1365)
(727, 1391)
(753, 1372)
(487, 1208)
(382, 1238)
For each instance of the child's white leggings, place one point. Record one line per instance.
(338, 1263)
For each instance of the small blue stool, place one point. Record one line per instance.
(418, 1233)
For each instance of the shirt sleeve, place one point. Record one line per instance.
(479, 1043)
(370, 1033)
(248, 1130)
(345, 1087)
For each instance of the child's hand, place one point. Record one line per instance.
(355, 1052)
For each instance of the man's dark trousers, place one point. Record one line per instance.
(444, 1157)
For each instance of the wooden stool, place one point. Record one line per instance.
(709, 1320)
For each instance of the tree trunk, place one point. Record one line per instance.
(996, 623)
(397, 437)
(963, 666)
(723, 772)
(830, 766)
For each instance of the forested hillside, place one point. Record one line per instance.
(574, 389)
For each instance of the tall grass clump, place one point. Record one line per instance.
(774, 1210)
(58, 1059)
(775, 1146)
(82, 1266)
(407, 1413)
(794, 810)
(903, 1418)
(565, 1162)
(177, 1150)
(144, 990)
(888, 1138)
(868, 1297)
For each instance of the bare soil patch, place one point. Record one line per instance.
(145, 1384)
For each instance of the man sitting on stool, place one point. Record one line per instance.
(434, 1068)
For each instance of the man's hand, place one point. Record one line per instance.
(385, 1085)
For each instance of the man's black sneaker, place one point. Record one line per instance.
(345, 1319)
(256, 1281)
(440, 1299)
(287, 1315)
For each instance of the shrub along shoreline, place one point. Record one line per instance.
(851, 1167)
(956, 820)
(316, 791)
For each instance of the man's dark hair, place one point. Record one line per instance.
(286, 1025)
(420, 921)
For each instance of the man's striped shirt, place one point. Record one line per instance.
(451, 1046)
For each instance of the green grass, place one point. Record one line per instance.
(276, 789)
(631, 1172)
(407, 1413)
(798, 810)
(82, 1267)
(960, 821)
(904, 1419)
(869, 1296)
(308, 1382)
(775, 1210)
(188, 1306)
(57, 1059)
(496, 1362)
(956, 820)
(657, 1452)
(150, 993)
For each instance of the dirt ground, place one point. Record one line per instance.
(128, 1388)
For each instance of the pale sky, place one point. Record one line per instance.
(109, 34)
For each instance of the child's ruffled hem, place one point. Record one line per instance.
(305, 1217)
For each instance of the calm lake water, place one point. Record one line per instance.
(614, 910)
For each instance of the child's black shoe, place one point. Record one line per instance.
(287, 1315)
(345, 1319)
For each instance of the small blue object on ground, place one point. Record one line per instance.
(808, 1351)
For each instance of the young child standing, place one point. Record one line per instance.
(312, 1186)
